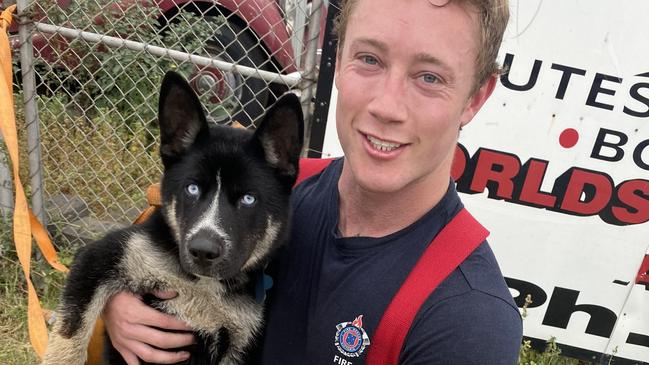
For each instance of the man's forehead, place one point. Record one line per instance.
(434, 3)
(374, 21)
(364, 8)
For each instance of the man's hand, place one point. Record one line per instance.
(132, 324)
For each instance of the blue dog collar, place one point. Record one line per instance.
(263, 283)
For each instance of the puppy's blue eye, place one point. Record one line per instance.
(193, 190)
(248, 200)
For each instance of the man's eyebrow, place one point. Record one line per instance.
(427, 58)
(370, 42)
(447, 70)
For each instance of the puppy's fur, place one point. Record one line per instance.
(225, 208)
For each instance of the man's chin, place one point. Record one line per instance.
(379, 184)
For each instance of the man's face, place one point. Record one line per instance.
(404, 77)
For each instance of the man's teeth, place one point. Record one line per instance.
(382, 145)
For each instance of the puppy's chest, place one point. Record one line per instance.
(148, 267)
(204, 303)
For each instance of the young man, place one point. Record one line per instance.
(410, 74)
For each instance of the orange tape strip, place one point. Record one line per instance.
(25, 223)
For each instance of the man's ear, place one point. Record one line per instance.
(477, 100)
(280, 134)
(180, 116)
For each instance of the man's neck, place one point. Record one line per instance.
(373, 214)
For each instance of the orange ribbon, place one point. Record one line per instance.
(25, 224)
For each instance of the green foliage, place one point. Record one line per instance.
(88, 157)
(550, 356)
(120, 79)
(15, 348)
(98, 104)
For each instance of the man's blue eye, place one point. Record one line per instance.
(248, 200)
(193, 190)
(370, 60)
(430, 78)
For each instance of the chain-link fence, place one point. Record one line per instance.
(87, 79)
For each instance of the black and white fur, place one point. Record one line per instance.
(225, 208)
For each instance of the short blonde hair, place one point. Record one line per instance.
(492, 14)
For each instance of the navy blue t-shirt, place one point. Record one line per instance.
(330, 292)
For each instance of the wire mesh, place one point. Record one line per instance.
(97, 99)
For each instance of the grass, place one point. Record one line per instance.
(14, 343)
(100, 157)
(550, 356)
(15, 348)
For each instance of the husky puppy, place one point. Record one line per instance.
(225, 209)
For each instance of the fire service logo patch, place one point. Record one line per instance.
(351, 339)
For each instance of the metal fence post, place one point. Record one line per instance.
(298, 15)
(6, 182)
(310, 61)
(31, 110)
(6, 187)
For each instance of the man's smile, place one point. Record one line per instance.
(380, 145)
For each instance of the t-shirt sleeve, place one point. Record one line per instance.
(467, 329)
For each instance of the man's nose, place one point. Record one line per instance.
(390, 100)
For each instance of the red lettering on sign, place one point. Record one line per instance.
(577, 191)
(634, 195)
(495, 170)
(587, 192)
(643, 273)
(531, 186)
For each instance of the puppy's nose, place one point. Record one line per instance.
(205, 251)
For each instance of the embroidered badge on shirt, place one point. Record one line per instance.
(351, 338)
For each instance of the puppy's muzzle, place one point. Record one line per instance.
(205, 252)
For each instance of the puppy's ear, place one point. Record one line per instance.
(281, 134)
(181, 117)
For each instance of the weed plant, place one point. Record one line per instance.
(15, 348)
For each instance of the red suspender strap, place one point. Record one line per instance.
(449, 248)
(310, 167)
